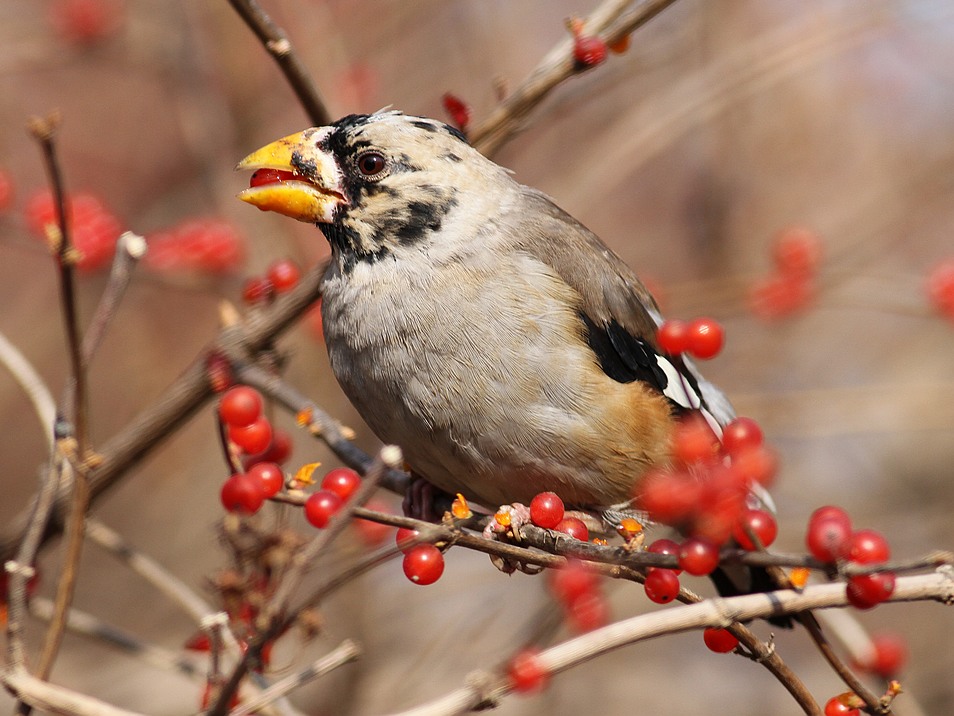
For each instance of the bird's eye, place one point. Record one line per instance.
(370, 164)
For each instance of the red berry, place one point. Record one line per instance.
(403, 538)
(587, 612)
(242, 493)
(6, 190)
(588, 50)
(694, 441)
(526, 672)
(240, 406)
(573, 580)
(199, 641)
(756, 464)
(315, 323)
(698, 556)
(423, 564)
(458, 110)
(867, 547)
(665, 546)
(661, 585)
(761, 523)
(574, 527)
(342, 481)
(721, 641)
(706, 337)
(868, 590)
(86, 21)
(203, 245)
(374, 533)
(780, 296)
(741, 434)
(278, 450)
(270, 477)
(257, 290)
(829, 529)
(546, 510)
(673, 336)
(889, 652)
(838, 705)
(93, 229)
(671, 498)
(252, 438)
(940, 288)
(284, 275)
(797, 251)
(320, 507)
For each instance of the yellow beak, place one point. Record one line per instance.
(308, 186)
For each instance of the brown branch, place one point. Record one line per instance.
(610, 21)
(179, 401)
(710, 613)
(272, 621)
(276, 42)
(44, 131)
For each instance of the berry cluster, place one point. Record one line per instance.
(547, 511)
(86, 22)
(335, 488)
(240, 410)
(701, 337)
(458, 110)
(578, 590)
(830, 538)
(94, 229)
(205, 245)
(281, 276)
(940, 288)
(796, 253)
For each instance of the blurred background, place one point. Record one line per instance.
(725, 123)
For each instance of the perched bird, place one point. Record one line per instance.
(476, 324)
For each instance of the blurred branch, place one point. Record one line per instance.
(179, 401)
(44, 132)
(87, 625)
(346, 652)
(55, 699)
(276, 42)
(32, 384)
(712, 613)
(273, 618)
(612, 20)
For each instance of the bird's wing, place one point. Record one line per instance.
(619, 315)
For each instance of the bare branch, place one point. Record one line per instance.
(710, 613)
(609, 20)
(276, 42)
(346, 652)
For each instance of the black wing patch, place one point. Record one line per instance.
(625, 358)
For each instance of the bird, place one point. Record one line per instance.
(471, 321)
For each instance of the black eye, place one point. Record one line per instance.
(371, 163)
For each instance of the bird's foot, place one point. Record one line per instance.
(424, 501)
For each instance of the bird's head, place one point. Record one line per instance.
(376, 184)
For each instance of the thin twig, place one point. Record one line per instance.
(276, 42)
(49, 698)
(271, 621)
(32, 384)
(85, 624)
(709, 613)
(609, 20)
(844, 673)
(345, 653)
(44, 131)
(160, 420)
